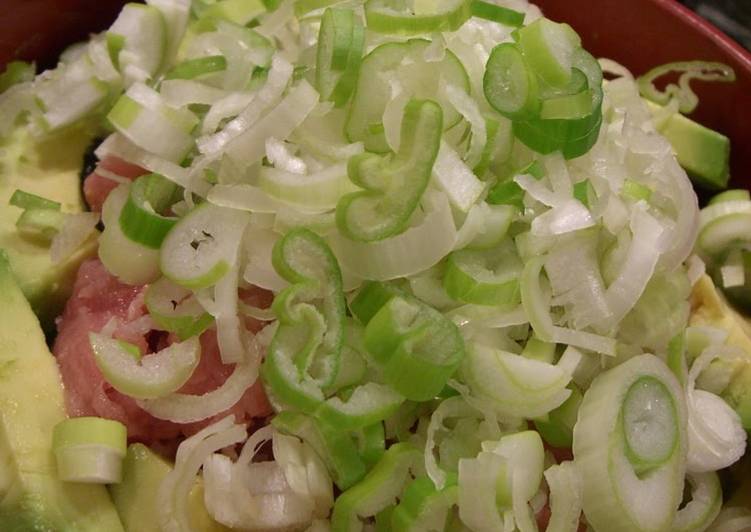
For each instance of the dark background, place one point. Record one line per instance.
(733, 16)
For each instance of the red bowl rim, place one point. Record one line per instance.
(706, 28)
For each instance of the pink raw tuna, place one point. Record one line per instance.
(98, 297)
(96, 188)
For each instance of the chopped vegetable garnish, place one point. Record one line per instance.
(419, 251)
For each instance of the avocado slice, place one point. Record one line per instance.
(135, 497)
(49, 168)
(32, 498)
(702, 152)
(709, 308)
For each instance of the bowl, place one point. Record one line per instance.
(639, 34)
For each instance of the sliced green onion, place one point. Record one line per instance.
(723, 233)
(479, 478)
(89, 449)
(564, 481)
(736, 194)
(506, 193)
(318, 190)
(176, 309)
(496, 13)
(484, 277)
(371, 298)
(305, 354)
(137, 41)
(336, 448)
(630, 444)
(557, 428)
(71, 94)
(423, 507)
(201, 247)
(141, 219)
(26, 200)
(405, 63)
(131, 262)
(417, 348)
(378, 490)
(549, 48)
(510, 85)
(198, 67)
(514, 385)
(339, 53)
(368, 404)
(423, 17)
(567, 107)
(585, 193)
(142, 116)
(687, 99)
(704, 506)
(636, 191)
(43, 223)
(155, 375)
(240, 12)
(303, 7)
(371, 442)
(393, 186)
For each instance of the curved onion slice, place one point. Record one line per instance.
(184, 408)
(172, 498)
(154, 375)
(413, 251)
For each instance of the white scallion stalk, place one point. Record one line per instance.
(183, 408)
(566, 217)
(280, 156)
(68, 94)
(230, 332)
(172, 498)
(175, 14)
(152, 376)
(478, 481)
(202, 247)
(704, 506)
(638, 267)
(259, 271)
(565, 486)
(733, 272)
(316, 191)
(453, 407)
(470, 110)
(144, 118)
(129, 261)
(76, 230)
(456, 178)
(630, 446)
(278, 79)
(183, 92)
(417, 249)
(119, 146)
(89, 450)
(513, 385)
(716, 438)
(525, 456)
(248, 147)
(137, 41)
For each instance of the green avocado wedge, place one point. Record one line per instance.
(136, 496)
(32, 498)
(702, 152)
(50, 169)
